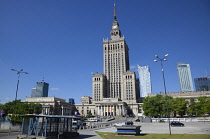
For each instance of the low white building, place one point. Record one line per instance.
(53, 105)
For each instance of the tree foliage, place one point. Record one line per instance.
(202, 106)
(157, 106)
(15, 108)
(179, 106)
(162, 106)
(192, 107)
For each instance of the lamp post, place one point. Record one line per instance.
(18, 72)
(62, 110)
(161, 61)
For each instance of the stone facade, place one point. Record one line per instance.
(86, 100)
(110, 107)
(53, 105)
(116, 91)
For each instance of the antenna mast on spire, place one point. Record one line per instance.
(43, 78)
(115, 15)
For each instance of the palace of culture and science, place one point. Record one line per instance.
(116, 91)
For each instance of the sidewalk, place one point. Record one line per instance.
(83, 134)
(90, 134)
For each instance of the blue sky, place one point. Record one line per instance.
(62, 41)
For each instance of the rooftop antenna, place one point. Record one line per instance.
(115, 15)
(206, 73)
(43, 78)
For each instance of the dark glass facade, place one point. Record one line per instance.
(41, 90)
(202, 84)
(71, 101)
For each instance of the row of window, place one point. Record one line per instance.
(113, 47)
(97, 79)
(128, 77)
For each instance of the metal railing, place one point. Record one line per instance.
(182, 119)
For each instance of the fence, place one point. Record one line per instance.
(182, 119)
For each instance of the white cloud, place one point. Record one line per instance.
(54, 89)
(7, 98)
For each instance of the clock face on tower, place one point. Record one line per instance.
(114, 27)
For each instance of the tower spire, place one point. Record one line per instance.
(115, 15)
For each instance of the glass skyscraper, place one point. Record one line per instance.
(185, 77)
(202, 84)
(71, 101)
(41, 90)
(145, 81)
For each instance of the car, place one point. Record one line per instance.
(119, 124)
(110, 119)
(129, 123)
(175, 123)
(137, 120)
(161, 121)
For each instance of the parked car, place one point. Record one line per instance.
(161, 121)
(175, 123)
(120, 124)
(110, 119)
(137, 120)
(129, 123)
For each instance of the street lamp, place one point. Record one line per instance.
(161, 61)
(18, 72)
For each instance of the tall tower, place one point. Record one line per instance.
(117, 81)
(185, 77)
(145, 81)
(116, 60)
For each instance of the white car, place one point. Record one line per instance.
(120, 124)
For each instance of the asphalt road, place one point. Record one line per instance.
(163, 128)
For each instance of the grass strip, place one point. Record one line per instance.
(108, 135)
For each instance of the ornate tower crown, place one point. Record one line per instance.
(115, 31)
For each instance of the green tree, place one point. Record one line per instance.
(167, 105)
(179, 106)
(89, 114)
(157, 106)
(207, 106)
(201, 105)
(1, 106)
(34, 108)
(152, 106)
(192, 107)
(16, 108)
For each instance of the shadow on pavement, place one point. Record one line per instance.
(84, 136)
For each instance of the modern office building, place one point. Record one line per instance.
(185, 77)
(71, 101)
(41, 90)
(145, 81)
(33, 92)
(202, 84)
(116, 91)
